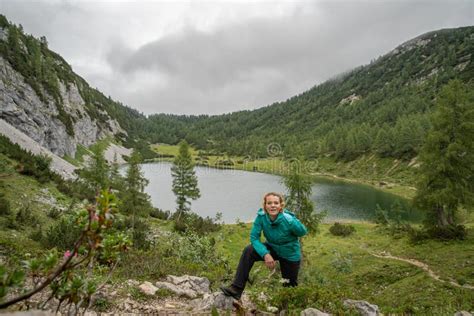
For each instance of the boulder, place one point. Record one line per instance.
(216, 299)
(363, 307)
(313, 312)
(186, 285)
(148, 288)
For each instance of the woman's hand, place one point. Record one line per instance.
(269, 262)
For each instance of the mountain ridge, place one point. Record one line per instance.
(382, 107)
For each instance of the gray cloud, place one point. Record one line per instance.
(243, 64)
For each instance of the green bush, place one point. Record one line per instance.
(5, 208)
(160, 214)
(37, 234)
(62, 234)
(177, 254)
(451, 232)
(447, 233)
(138, 229)
(24, 217)
(341, 230)
(54, 213)
(191, 222)
(342, 263)
(381, 216)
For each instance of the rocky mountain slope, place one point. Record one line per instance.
(58, 165)
(40, 101)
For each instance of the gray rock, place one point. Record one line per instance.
(463, 313)
(38, 119)
(176, 289)
(216, 299)
(58, 165)
(148, 288)
(363, 307)
(313, 312)
(194, 283)
(186, 285)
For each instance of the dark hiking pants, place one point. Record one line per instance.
(289, 269)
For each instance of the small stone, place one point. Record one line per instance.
(364, 307)
(272, 309)
(148, 288)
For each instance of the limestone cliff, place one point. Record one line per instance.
(22, 107)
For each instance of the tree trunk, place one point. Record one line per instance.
(450, 218)
(442, 220)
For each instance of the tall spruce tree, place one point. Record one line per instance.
(447, 158)
(97, 173)
(134, 201)
(298, 199)
(185, 184)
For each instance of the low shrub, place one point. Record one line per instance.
(54, 213)
(5, 208)
(138, 229)
(62, 234)
(37, 234)
(191, 222)
(25, 217)
(339, 229)
(451, 232)
(160, 214)
(342, 263)
(176, 254)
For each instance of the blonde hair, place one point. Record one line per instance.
(280, 197)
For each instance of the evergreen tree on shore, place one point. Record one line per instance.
(185, 184)
(447, 157)
(134, 201)
(298, 200)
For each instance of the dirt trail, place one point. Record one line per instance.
(423, 266)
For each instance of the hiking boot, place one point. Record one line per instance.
(233, 291)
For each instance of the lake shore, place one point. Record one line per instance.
(404, 191)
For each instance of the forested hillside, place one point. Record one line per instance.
(382, 107)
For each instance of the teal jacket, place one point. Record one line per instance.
(281, 234)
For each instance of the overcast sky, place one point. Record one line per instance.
(212, 57)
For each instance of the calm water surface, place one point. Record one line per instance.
(237, 194)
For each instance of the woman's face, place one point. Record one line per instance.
(272, 206)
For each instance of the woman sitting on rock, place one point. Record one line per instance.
(282, 230)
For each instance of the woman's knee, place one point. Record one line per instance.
(248, 250)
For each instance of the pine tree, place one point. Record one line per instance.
(298, 199)
(185, 184)
(447, 157)
(98, 171)
(134, 201)
(116, 179)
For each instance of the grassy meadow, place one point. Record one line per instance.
(337, 268)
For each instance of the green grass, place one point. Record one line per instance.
(346, 267)
(28, 195)
(165, 149)
(337, 267)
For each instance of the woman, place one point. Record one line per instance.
(281, 230)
